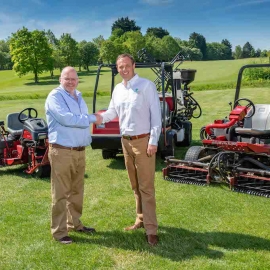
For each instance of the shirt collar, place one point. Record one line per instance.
(132, 80)
(78, 93)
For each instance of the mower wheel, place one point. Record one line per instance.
(42, 171)
(188, 135)
(169, 151)
(108, 154)
(194, 153)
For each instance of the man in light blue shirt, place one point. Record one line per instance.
(68, 126)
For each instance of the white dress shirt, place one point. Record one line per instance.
(138, 107)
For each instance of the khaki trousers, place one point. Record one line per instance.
(67, 188)
(141, 172)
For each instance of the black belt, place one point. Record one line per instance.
(127, 137)
(55, 145)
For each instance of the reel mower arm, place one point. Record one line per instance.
(236, 115)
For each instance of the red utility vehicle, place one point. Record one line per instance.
(176, 101)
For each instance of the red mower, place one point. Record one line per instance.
(25, 141)
(234, 150)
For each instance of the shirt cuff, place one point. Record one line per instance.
(92, 118)
(153, 141)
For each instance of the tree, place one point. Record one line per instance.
(169, 48)
(195, 54)
(216, 51)
(68, 50)
(158, 32)
(98, 41)
(228, 49)
(134, 41)
(198, 41)
(263, 53)
(238, 54)
(126, 25)
(88, 53)
(30, 52)
(153, 46)
(247, 50)
(5, 58)
(182, 43)
(54, 43)
(116, 33)
(108, 52)
(258, 53)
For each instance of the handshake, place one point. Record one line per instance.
(99, 119)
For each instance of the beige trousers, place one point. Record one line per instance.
(141, 172)
(67, 187)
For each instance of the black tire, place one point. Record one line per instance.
(194, 153)
(108, 154)
(43, 171)
(169, 151)
(187, 135)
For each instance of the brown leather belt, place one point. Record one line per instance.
(55, 145)
(127, 137)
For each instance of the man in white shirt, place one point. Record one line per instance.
(135, 101)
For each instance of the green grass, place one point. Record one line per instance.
(209, 75)
(199, 227)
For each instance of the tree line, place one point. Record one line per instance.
(39, 51)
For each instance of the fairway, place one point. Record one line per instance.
(214, 74)
(199, 227)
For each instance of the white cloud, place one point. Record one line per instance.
(157, 2)
(37, 2)
(79, 29)
(247, 3)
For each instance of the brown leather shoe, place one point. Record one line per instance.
(152, 239)
(86, 230)
(134, 227)
(65, 240)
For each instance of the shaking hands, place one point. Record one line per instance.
(99, 119)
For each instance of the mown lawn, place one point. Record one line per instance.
(199, 227)
(209, 75)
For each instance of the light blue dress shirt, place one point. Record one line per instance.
(68, 119)
(138, 107)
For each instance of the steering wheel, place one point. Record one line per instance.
(29, 115)
(250, 104)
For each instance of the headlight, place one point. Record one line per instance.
(42, 136)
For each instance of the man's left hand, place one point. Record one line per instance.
(151, 149)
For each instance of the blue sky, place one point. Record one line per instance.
(238, 21)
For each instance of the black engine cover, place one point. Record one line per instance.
(36, 126)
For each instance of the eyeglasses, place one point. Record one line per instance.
(70, 79)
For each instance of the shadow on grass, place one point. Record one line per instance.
(47, 82)
(18, 170)
(119, 164)
(51, 82)
(178, 244)
(91, 72)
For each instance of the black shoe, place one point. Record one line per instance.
(65, 240)
(86, 230)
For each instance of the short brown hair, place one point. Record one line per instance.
(125, 55)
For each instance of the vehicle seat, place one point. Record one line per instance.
(14, 126)
(257, 126)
